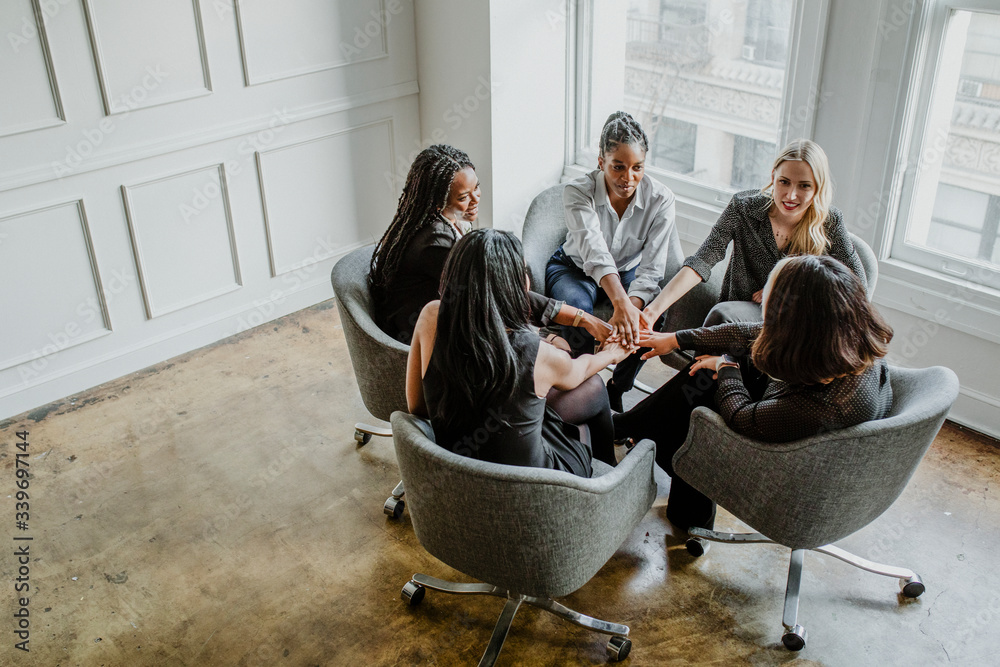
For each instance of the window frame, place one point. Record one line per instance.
(697, 201)
(929, 26)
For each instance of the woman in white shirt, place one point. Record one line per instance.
(619, 221)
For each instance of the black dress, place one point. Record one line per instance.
(522, 431)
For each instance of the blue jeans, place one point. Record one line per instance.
(565, 281)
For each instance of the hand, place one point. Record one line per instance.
(661, 343)
(708, 361)
(596, 327)
(617, 348)
(758, 296)
(626, 322)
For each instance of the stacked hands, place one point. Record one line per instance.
(631, 329)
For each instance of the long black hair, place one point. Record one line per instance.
(484, 298)
(424, 196)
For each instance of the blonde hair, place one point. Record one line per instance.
(809, 236)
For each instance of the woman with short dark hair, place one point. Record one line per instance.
(481, 374)
(814, 364)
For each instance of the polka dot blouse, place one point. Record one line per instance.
(787, 412)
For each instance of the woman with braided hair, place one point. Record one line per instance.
(619, 221)
(440, 201)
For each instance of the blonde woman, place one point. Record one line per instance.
(792, 215)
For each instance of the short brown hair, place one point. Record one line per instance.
(818, 323)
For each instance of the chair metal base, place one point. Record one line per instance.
(363, 432)
(394, 504)
(794, 637)
(618, 647)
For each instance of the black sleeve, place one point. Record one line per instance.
(735, 338)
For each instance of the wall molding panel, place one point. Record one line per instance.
(27, 60)
(341, 33)
(181, 228)
(295, 184)
(141, 66)
(42, 173)
(214, 202)
(47, 258)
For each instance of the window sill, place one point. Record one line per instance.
(951, 302)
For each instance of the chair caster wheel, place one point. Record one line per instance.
(393, 507)
(412, 593)
(912, 587)
(696, 546)
(794, 639)
(361, 437)
(619, 648)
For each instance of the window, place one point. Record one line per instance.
(708, 80)
(950, 204)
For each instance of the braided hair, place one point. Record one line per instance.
(620, 128)
(424, 196)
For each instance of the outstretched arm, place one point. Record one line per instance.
(679, 285)
(555, 368)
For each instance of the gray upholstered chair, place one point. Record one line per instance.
(379, 361)
(545, 229)
(532, 534)
(809, 493)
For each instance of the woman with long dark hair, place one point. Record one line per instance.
(438, 205)
(481, 374)
(814, 364)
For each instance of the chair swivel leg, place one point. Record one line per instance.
(363, 432)
(618, 647)
(794, 638)
(909, 581)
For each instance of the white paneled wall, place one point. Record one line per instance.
(173, 172)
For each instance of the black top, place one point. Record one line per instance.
(418, 278)
(745, 223)
(416, 281)
(787, 411)
(523, 431)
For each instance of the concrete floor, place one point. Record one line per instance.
(215, 510)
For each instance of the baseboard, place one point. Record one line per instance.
(102, 369)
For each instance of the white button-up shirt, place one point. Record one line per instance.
(600, 244)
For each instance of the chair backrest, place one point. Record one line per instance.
(817, 490)
(379, 361)
(532, 531)
(868, 260)
(545, 229)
